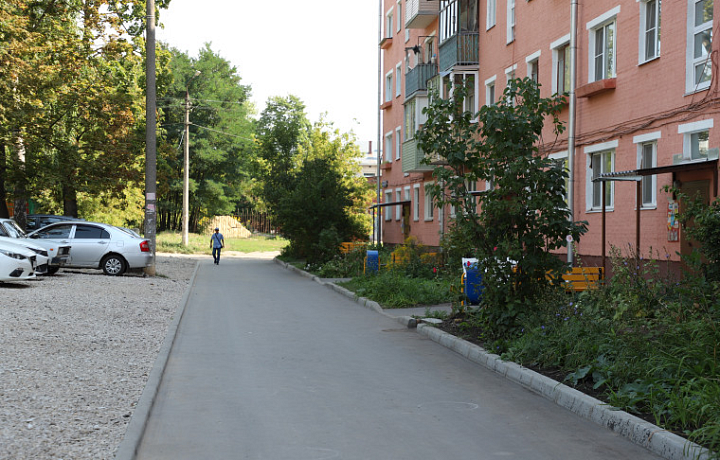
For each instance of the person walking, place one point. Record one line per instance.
(217, 242)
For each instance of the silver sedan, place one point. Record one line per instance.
(96, 245)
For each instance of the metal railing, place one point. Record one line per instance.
(460, 49)
(416, 79)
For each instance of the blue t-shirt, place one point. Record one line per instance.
(217, 239)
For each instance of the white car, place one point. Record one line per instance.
(96, 245)
(41, 254)
(58, 255)
(16, 262)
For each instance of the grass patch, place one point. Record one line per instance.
(393, 289)
(200, 244)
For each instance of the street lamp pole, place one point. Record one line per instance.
(186, 165)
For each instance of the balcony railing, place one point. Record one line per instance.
(412, 157)
(462, 49)
(419, 14)
(416, 79)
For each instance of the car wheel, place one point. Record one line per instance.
(113, 265)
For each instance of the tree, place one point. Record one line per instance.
(524, 216)
(221, 142)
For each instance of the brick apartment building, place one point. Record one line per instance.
(646, 100)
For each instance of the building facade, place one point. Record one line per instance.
(645, 94)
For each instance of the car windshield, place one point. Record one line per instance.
(14, 229)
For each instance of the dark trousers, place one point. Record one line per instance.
(216, 254)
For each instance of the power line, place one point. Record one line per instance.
(222, 132)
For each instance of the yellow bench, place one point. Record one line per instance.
(350, 246)
(583, 278)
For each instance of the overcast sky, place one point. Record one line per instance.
(323, 51)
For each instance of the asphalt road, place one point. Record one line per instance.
(273, 366)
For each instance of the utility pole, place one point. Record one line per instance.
(186, 163)
(572, 122)
(150, 136)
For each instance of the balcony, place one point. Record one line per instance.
(462, 49)
(416, 79)
(419, 14)
(411, 158)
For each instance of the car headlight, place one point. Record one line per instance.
(13, 255)
(40, 252)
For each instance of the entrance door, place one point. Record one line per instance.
(692, 189)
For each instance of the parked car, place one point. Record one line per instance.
(58, 255)
(16, 262)
(97, 245)
(37, 221)
(41, 254)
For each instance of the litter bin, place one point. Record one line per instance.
(372, 262)
(472, 281)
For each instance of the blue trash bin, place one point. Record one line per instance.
(473, 282)
(372, 262)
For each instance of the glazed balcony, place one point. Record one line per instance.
(458, 50)
(417, 78)
(412, 157)
(420, 14)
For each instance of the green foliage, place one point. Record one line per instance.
(311, 180)
(524, 215)
(221, 139)
(171, 242)
(393, 289)
(702, 223)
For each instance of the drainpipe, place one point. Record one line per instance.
(571, 121)
(378, 222)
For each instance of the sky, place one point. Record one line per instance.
(323, 51)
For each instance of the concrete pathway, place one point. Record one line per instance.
(270, 365)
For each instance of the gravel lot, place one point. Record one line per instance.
(75, 353)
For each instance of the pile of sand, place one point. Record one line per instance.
(229, 227)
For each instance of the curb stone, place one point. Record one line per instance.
(657, 440)
(127, 450)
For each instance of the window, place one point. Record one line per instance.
(533, 66)
(602, 46)
(388, 86)
(398, 208)
(647, 158)
(389, 24)
(389, 147)
(416, 202)
(58, 231)
(696, 141)
(509, 77)
(561, 65)
(563, 158)
(430, 50)
(467, 80)
(649, 30)
(398, 142)
(699, 46)
(398, 79)
(90, 232)
(510, 21)
(491, 9)
(490, 91)
(601, 160)
(388, 209)
(399, 16)
(457, 16)
(429, 208)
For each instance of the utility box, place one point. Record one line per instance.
(372, 262)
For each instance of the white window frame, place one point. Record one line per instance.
(389, 23)
(693, 62)
(558, 55)
(491, 18)
(490, 93)
(388, 146)
(389, 86)
(429, 205)
(510, 19)
(470, 105)
(690, 129)
(565, 156)
(605, 148)
(388, 209)
(399, 19)
(416, 202)
(642, 142)
(648, 8)
(532, 61)
(398, 79)
(604, 22)
(398, 208)
(509, 75)
(398, 142)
